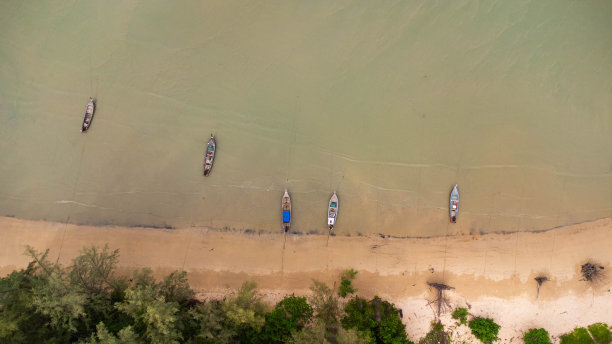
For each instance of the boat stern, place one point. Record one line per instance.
(331, 222)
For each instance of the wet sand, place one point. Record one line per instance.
(493, 273)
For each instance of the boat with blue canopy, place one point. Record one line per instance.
(286, 209)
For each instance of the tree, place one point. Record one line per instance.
(317, 333)
(360, 316)
(92, 274)
(290, 314)
(143, 278)
(325, 304)
(245, 309)
(484, 329)
(53, 296)
(392, 331)
(245, 313)
(213, 326)
(19, 321)
(537, 336)
(377, 318)
(175, 288)
(58, 304)
(154, 317)
(93, 271)
(103, 336)
(311, 334)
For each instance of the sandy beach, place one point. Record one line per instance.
(492, 274)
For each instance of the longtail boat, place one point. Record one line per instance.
(286, 208)
(454, 204)
(332, 211)
(209, 156)
(89, 112)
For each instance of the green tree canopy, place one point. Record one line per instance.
(103, 336)
(154, 318)
(484, 329)
(580, 335)
(537, 336)
(378, 318)
(290, 314)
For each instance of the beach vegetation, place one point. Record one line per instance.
(289, 315)
(326, 325)
(377, 318)
(346, 286)
(210, 324)
(89, 302)
(245, 312)
(537, 336)
(104, 336)
(326, 305)
(601, 333)
(154, 318)
(437, 335)
(485, 329)
(317, 333)
(580, 335)
(460, 314)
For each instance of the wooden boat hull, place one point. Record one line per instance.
(332, 211)
(209, 155)
(89, 112)
(286, 211)
(454, 204)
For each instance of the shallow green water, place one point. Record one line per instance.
(389, 103)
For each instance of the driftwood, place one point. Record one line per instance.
(540, 280)
(441, 301)
(592, 272)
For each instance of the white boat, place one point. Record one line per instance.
(332, 211)
(286, 208)
(454, 204)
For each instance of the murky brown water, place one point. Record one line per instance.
(389, 103)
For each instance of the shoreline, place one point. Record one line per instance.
(494, 273)
(261, 231)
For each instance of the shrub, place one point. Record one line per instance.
(377, 318)
(461, 315)
(346, 286)
(580, 335)
(290, 315)
(484, 329)
(436, 335)
(537, 336)
(601, 333)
